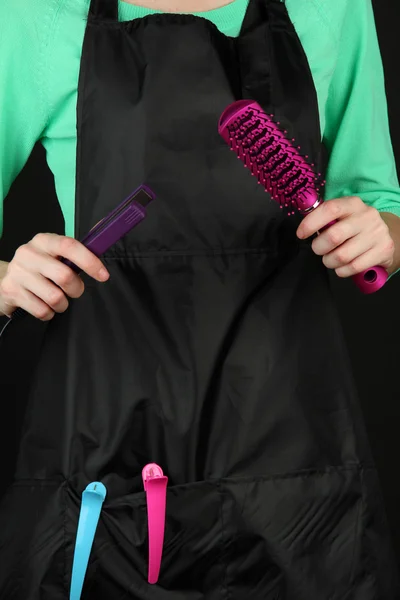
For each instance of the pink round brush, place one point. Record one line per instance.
(286, 175)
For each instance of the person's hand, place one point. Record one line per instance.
(359, 240)
(39, 283)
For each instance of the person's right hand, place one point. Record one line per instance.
(39, 283)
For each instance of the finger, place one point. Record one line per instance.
(326, 213)
(348, 252)
(7, 307)
(46, 291)
(34, 305)
(61, 275)
(66, 247)
(16, 295)
(31, 259)
(336, 235)
(365, 261)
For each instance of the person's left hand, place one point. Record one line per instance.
(358, 241)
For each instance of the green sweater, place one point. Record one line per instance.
(40, 51)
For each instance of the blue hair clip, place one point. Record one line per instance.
(92, 503)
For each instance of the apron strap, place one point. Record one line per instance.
(104, 10)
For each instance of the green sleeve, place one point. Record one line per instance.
(357, 130)
(22, 93)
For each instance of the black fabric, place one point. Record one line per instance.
(104, 10)
(215, 349)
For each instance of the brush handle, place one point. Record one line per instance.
(368, 281)
(371, 280)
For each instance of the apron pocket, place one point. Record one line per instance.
(293, 537)
(191, 565)
(32, 541)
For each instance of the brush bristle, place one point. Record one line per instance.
(276, 162)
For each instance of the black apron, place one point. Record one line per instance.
(215, 349)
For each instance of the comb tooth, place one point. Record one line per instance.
(233, 145)
(266, 180)
(254, 168)
(232, 138)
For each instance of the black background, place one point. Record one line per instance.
(371, 324)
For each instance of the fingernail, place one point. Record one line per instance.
(104, 274)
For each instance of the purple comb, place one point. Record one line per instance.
(278, 165)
